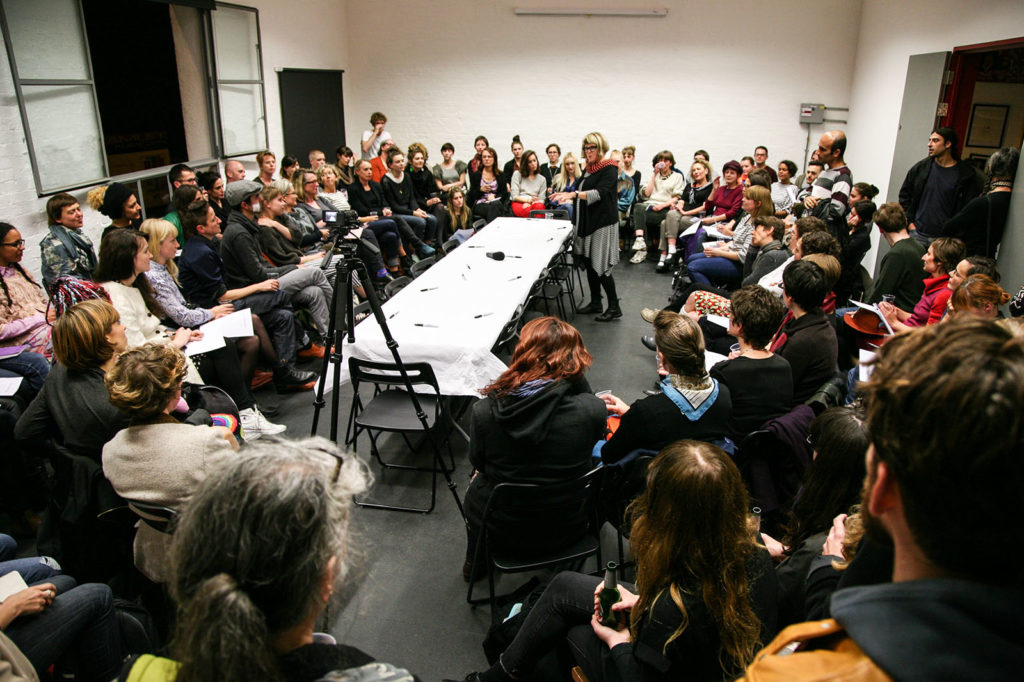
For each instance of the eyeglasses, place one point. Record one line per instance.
(20, 244)
(590, 148)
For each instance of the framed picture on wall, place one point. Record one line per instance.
(988, 124)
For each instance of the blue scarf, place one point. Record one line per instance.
(689, 410)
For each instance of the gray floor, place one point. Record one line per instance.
(404, 601)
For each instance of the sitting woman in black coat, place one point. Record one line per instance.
(537, 424)
(488, 193)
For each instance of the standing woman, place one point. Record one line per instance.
(529, 186)
(116, 201)
(23, 306)
(487, 191)
(213, 184)
(450, 173)
(597, 224)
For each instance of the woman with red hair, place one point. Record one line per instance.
(537, 423)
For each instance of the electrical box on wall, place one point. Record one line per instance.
(812, 113)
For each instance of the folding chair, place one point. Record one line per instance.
(396, 285)
(567, 509)
(421, 266)
(393, 409)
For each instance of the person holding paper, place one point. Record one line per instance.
(942, 257)
(124, 255)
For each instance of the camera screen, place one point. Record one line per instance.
(330, 216)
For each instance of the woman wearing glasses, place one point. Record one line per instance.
(597, 234)
(23, 303)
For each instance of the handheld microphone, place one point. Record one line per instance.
(495, 255)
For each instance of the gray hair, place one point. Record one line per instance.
(1002, 165)
(282, 186)
(251, 550)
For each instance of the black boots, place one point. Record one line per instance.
(613, 312)
(593, 308)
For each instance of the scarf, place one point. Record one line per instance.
(530, 388)
(603, 163)
(73, 241)
(692, 401)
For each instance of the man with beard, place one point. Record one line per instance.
(943, 492)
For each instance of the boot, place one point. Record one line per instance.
(594, 307)
(612, 313)
(288, 379)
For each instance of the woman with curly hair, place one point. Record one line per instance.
(704, 596)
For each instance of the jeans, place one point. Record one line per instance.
(425, 228)
(560, 620)
(309, 288)
(386, 232)
(702, 268)
(31, 367)
(32, 569)
(79, 629)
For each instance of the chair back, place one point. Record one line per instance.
(450, 245)
(396, 285)
(388, 374)
(421, 266)
(157, 517)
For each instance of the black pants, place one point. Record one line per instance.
(275, 311)
(596, 282)
(221, 368)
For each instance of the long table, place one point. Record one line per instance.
(452, 314)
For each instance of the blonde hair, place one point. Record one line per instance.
(598, 139)
(95, 197)
(829, 264)
(80, 334)
(561, 180)
(144, 379)
(417, 147)
(156, 231)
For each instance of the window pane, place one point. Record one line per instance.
(241, 118)
(235, 40)
(47, 39)
(65, 134)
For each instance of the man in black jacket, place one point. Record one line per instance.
(244, 263)
(937, 187)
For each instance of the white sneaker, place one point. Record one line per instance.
(255, 425)
(639, 244)
(639, 257)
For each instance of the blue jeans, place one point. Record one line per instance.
(425, 228)
(702, 268)
(31, 367)
(32, 570)
(79, 629)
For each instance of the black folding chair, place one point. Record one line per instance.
(421, 266)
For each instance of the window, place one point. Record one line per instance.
(92, 109)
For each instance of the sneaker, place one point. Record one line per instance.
(261, 378)
(639, 244)
(289, 379)
(425, 250)
(314, 350)
(639, 257)
(649, 314)
(255, 425)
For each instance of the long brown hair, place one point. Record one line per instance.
(548, 349)
(691, 534)
(464, 218)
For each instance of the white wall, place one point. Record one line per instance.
(889, 33)
(310, 35)
(722, 76)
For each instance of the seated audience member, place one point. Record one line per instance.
(181, 197)
(980, 223)
(311, 200)
(684, 211)
(163, 281)
(691, 404)
(487, 192)
(369, 202)
(829, 262)
(344, 156)
(303, 203)
(761, 164)
(71, 630)
(862, 191)
(479, 144)
(979, 296)
(379, 163)
(550, 169)
(705, 590)
(458, 219)
(953, 594)
(942, 256)
(328, 176)
(251, 581)
(513, 164)
(760, 383)
(862, 213)
(759, 178)
(202, 278)
(23, 307)
(373, 138)
(244, 263)
(401, 197)
(746, 167)
(654, 202)
(806, 338)
(145, 383)
(626, 192)
(628, 157)
(899, 274)
(73, 406)
(65, 250)
(537, 423)
(566, 181)
(275, 237)
(233, 170)
(450, 173)
(783, 190)
(316, 159)
(830, 487)
(289, 164)
(213, 184)
(118, 202)
(724, 260)
(529, 187)
(181, 174)
(267, 163)
(814, 168)
(428, 197)
(722, 206)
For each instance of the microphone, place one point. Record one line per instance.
(496, 255)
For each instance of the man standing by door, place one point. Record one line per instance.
(938, 186)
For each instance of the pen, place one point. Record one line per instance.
(512, 279)
(393, 314)
(476, 317)
(423, 324)
(428, 289)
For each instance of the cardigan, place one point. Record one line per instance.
(171, 300)
(725, 201)
(365, 201)
(475, 192)
(601, 203)
(23, 318)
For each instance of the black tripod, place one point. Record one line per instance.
(342, 319)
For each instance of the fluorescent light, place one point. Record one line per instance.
(595, 12)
